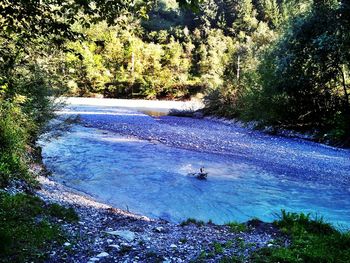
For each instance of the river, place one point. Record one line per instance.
(124, 157)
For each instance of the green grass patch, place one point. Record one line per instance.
(192, 221)
(236, 227)
(26, 228)
(67, 214)
(312, 240)
(218, 248)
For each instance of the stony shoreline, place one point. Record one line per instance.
(107, 234)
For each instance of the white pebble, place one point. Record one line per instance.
(102, 255)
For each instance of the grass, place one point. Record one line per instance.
(189, 221)
(26, 228)
(236, 227)
(218, 248)
(312, 240)
(67, 214)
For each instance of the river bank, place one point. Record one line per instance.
(116, 151)
(111, 145)
(107, 234)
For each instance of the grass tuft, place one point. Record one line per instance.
(312, 240)
(189, 221)
(67, 214)
(236, 227)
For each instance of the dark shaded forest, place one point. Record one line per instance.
(278, 62)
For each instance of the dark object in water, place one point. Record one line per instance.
(202, 175)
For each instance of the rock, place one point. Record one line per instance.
(198, 115)
(173, 246)
(93, 259)
(102, 255)
(109, 240)
(159, 229)
(67, 244)
(114, 246)
(126, 245)
(125, 234)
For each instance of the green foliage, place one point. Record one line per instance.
(190, 221)
(237, 227)
(308, 76)
(13, 138)
(289, 68)
(64, 213)
(218, 248)
(116, 62)
(26, 228)
(312, 240)
(295, 223)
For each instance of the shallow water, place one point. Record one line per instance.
(152, 178)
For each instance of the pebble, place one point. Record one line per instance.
(124, 234)
(102, 255)
(159, 229)
(114, 246)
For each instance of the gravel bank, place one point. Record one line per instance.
(292, 157)
(106, 234)
(133, 238)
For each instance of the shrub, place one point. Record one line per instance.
(192, 221)
(13, 139)
(26, 229)
(312, 240)
(236, 227)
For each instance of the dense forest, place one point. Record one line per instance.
(279, 62)
(282, 63)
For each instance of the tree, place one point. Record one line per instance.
(310, 71)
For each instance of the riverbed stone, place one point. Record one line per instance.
(114, 246)
(102, 255)
(124, 234)
(159, 229)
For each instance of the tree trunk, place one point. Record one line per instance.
(346, 95)
(238, 67)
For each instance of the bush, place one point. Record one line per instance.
(13, 139)
(312, 240)
(222, 101)
(26, 228)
